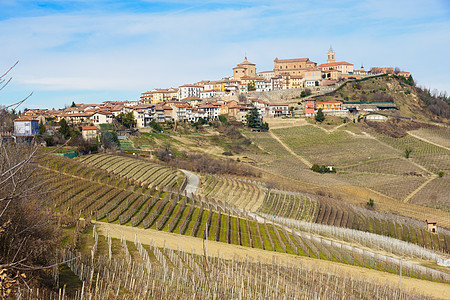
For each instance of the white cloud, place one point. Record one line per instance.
(139, 51)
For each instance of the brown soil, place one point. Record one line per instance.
(227, 251)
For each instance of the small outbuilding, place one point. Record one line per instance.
(431, 225)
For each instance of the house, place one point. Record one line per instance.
(102, 117)
(189, 90)
(209, 111)
(309, 107)
(267, 75)
(276, 110)
(78, 118)
(26, 126)
(207, 94)
(431, 225)
(331, 105)
(89, 132)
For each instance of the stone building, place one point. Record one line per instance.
(245, 68)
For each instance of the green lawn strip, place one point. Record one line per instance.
(202, 225)
(377, 228)
(162, 213)
(116, 248)
(284, 239)
(265, 238)
(244, 234)
(234, 231)
(392, 231)
(87, 241)
(181, 220)
(192, 222)
(370, 225)
(69, 280)
(300, 249)
(274, 237)
(399, 232)
(224, 229)
(257, 243)
(172, 216)
(135, 256)
(151, 255)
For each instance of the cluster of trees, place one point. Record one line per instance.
(323, 169)
(254, 120)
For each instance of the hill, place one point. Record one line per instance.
(411, 101)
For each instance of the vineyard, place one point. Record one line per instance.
(91, 193)
(237, 192)
(332, 212)
(135, 270)
(338, 149)
(139, 171)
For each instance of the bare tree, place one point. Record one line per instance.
(28, 231)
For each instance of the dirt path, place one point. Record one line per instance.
(193, 181)
(227, 251)
(428, 141)
(419, 188)
(307, 163)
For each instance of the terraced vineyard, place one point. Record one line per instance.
(289, 205)
(136, 270)
(241, 193)
(142, 172)
(91, 193)
(338, 148)
(433, 158)
(337, 213)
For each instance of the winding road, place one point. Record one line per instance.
(193, 183)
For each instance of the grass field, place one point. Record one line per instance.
(337, 149)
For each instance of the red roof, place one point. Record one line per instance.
(335, 64)
(25, 119)
(330, 101)
(88, 128)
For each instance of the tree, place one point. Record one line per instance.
(28, 232)
(126, 119)
(251, 86)
(110, 140)
(42, 128)
(64, 128)
(320, 117)
(253, 118)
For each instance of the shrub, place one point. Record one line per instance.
(408, 152)
(370, 203)
(441, 174)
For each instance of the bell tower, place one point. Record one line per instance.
(331, 58)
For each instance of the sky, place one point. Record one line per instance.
(90, 51)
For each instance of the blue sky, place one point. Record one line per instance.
(92, 50)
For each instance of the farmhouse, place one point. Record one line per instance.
(431, 225)
(89, 132)
(26, 126)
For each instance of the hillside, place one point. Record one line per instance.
(412, 102)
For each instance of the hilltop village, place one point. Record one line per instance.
(233, 96)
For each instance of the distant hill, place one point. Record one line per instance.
(412, 102)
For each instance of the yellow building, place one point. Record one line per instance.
(331, 105)
(245, 68)
(293, 66)
(159, 95)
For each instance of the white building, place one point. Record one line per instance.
(102, 117)
(189, 90)
(26, 126)
(276, 110)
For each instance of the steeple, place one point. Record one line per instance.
(331, 58)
